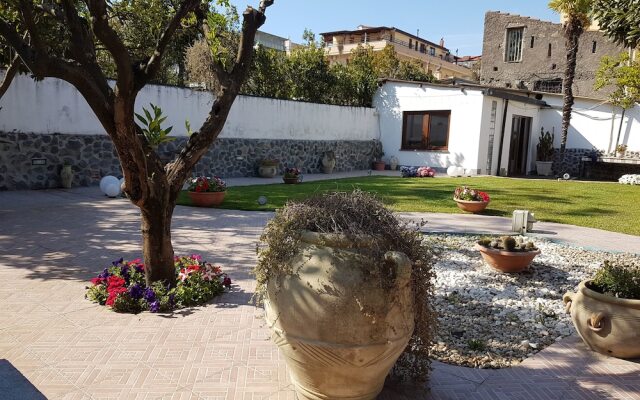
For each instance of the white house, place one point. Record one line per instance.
(489, 130)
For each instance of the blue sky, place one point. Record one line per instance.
(460, 22)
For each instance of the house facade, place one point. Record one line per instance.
(434, 58)
(492, 131)
(527, 53)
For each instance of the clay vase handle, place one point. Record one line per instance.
(402, 263)
(567, 299)
(595, 323)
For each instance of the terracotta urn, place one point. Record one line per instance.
(472, 206)
(328, 162)
(379, 165)
(507, 261)
(340, 332)
(267, 171)
(606, 324)
(206, 199)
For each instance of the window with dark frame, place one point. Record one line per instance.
(549, 51)
(425, 130)
(513, 50)
(533, 41)
(594, 47)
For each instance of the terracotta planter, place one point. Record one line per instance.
(291, 181)
(472, 206)
(206, 199)
(378, 165)
(267, 171)
(333, 349)
(507, 261)
(606, 324)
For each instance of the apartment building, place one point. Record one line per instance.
(435, 58)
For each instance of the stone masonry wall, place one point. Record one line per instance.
(536, 63)
(93, 156)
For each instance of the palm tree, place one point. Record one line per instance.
(576, 14)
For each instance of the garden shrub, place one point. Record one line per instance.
(622, 281)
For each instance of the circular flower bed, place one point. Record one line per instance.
(488, 319)
(122, 286)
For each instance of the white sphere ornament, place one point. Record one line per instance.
(113, 190)
(469, 172)
(106, 181)
(451, 171)
(459, 171)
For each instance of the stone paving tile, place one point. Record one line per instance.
(69, 348)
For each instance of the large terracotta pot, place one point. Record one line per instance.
(291, 181)
(507, 261)
(206, 199)
(339, 331)
(472, 206)
(607, 324)
(379, 165)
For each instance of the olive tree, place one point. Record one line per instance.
(61, 39)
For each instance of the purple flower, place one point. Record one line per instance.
(136, 291)
(149, 295)
(172, 299)
(105, 274)
(154, 306)
(124, 272)
(117, 262)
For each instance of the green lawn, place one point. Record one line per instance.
(608, 206)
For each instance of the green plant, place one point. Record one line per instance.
(508, 243)
(476, 345)
(269, 162)
(354, 214)
(291, 173)
(152, 126)
(621, 148)
(545, 146)
(622, 281)
(204, 184)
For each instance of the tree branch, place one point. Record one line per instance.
(148, 70)
(199, 142)
(9, 74)
(113, 43)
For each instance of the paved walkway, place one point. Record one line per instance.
(56, 345)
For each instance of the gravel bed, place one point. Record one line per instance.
(489, 319)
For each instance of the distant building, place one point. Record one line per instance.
(526, 53)
(434, 58)
(275, 42)
(468, 61)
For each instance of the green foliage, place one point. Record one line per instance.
(356, 214)
(196, 291)
(622, 281)
(578, 10)
(476, 345)
(152, 126)
(268, 76)
(619, 19)
(624, 75)
(545, 146)
(508, 243)
(97, 294)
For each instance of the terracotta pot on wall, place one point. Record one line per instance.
(206, 199)
(606, 324)
(334, 349)
(507, 261)
(379, 165)
(472, 206)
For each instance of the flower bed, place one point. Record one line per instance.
(122, 286)
(415, 172)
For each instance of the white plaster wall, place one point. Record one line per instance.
(393, 98)
(591, 124)
(54, 106)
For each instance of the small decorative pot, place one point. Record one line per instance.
(334, 349)
(267, 171)
(66, 176)
(378, 165)
(206, 199)
(472, 206)
(507, 261)
(606, 324)
(291, 181)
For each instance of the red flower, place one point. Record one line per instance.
(97, 281)
(114, 282)
(484, 196)
(114, 293)
(226, 281)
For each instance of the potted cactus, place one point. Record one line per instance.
(339, 257)
(507, 254)
(606, 310)
(545, 153)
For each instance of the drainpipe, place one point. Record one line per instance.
(504, 126)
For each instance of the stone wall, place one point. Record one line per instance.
(572, 162)
(93, 156)
(536, 63)
(612, 169)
